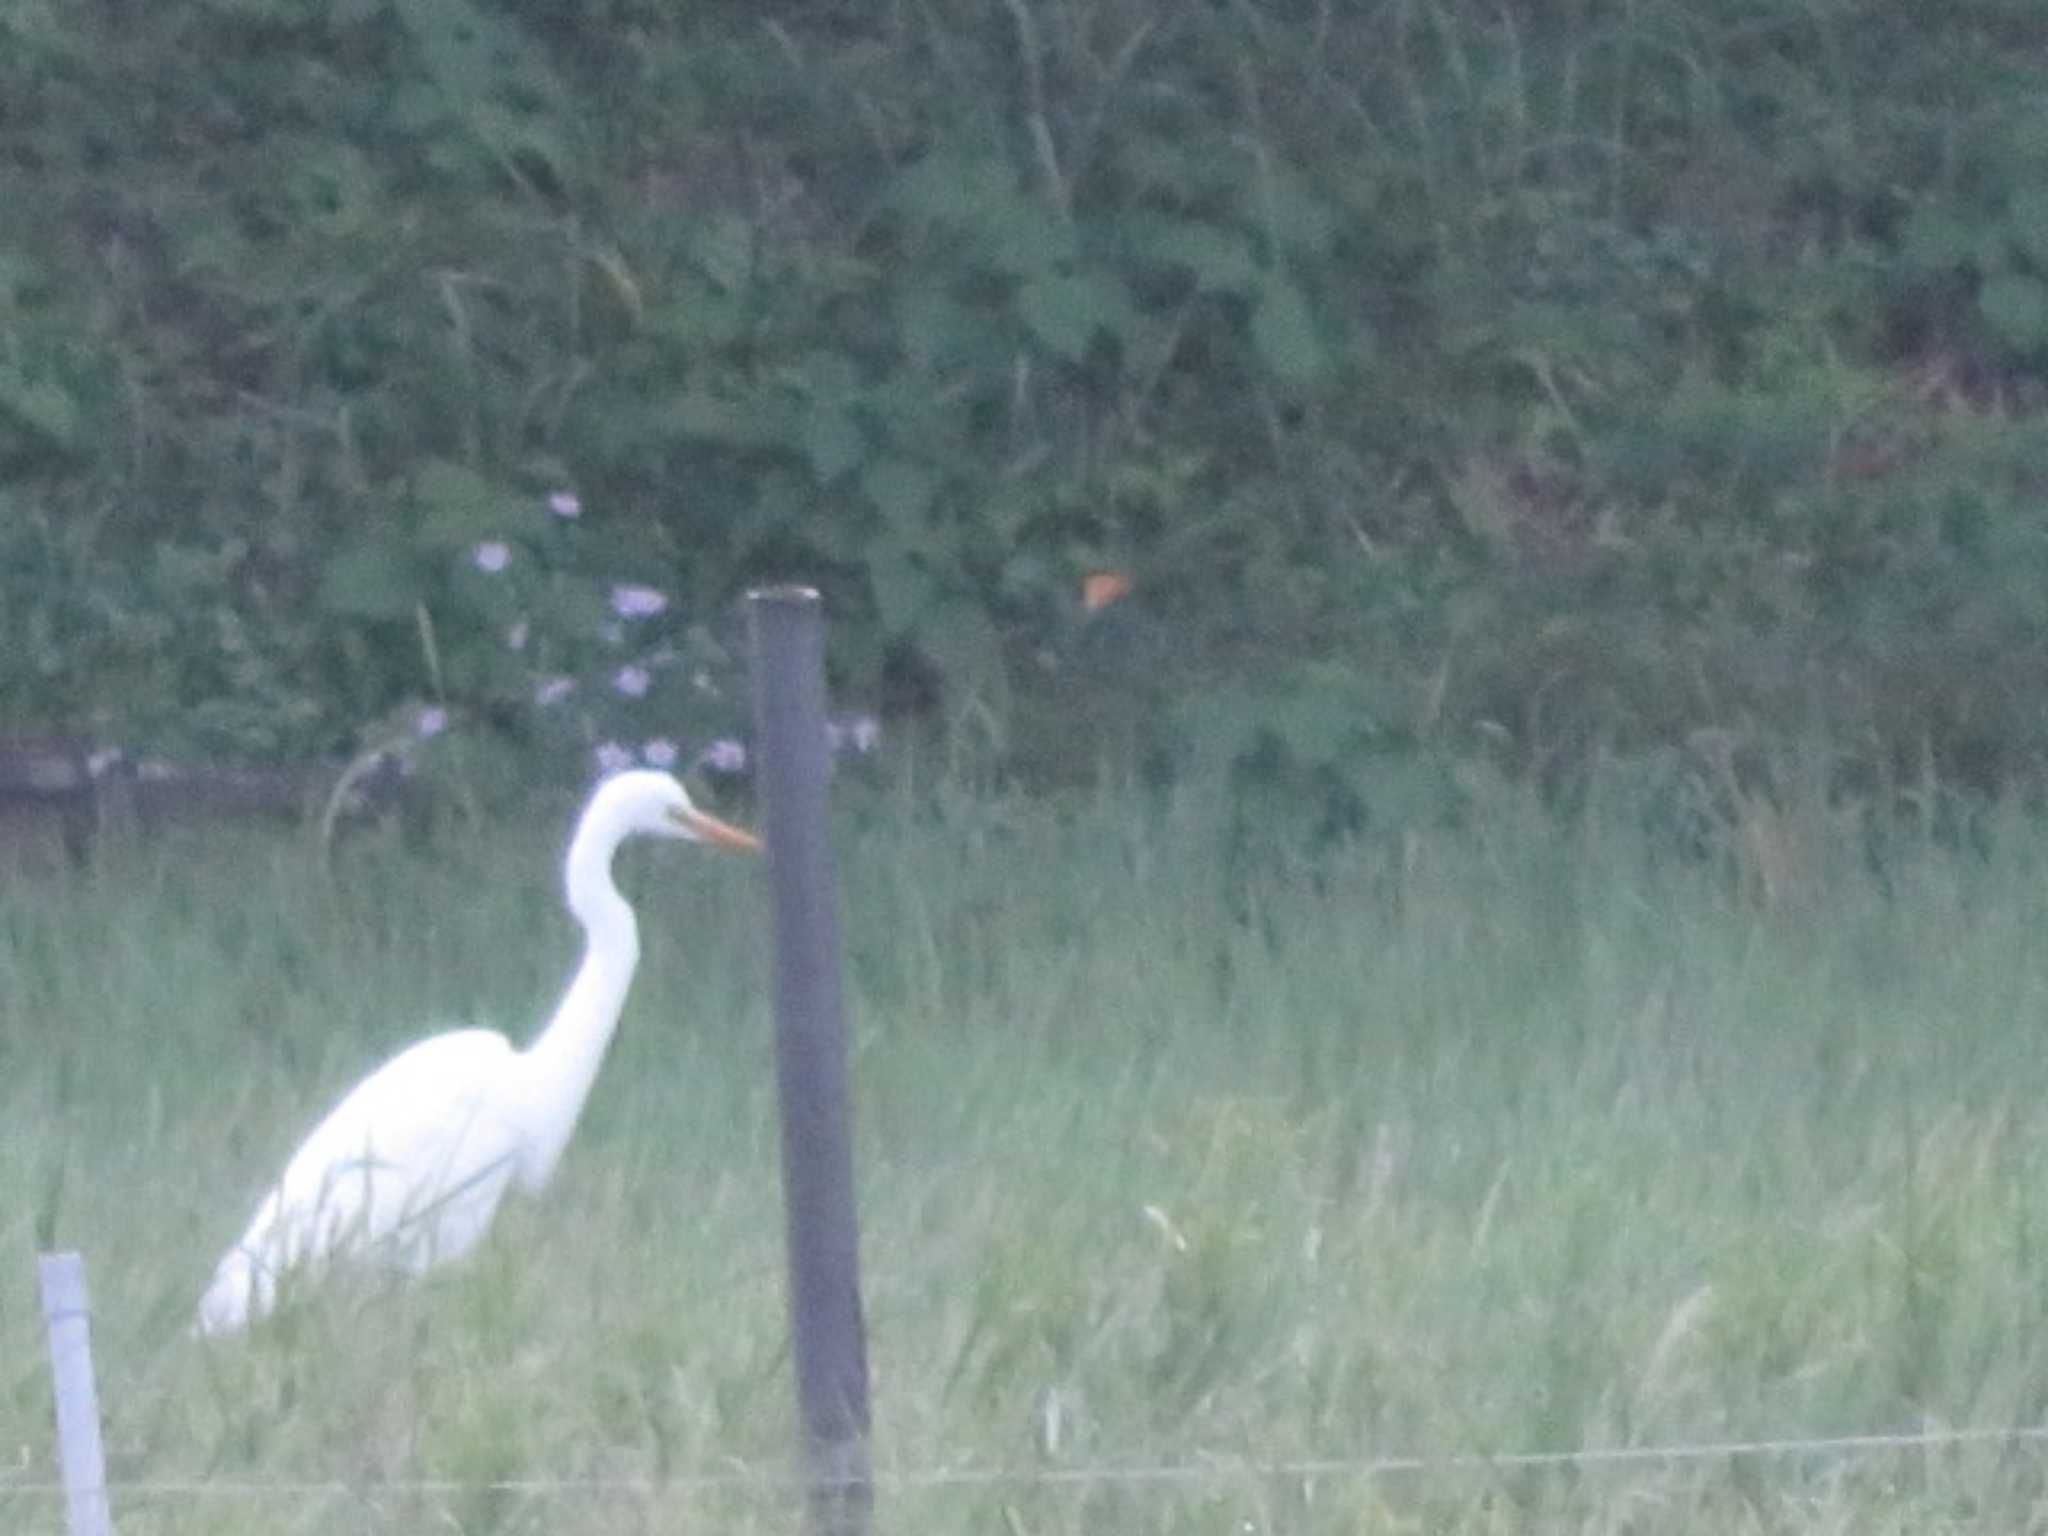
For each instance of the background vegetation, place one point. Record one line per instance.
(1628, 405)
(1457, 382)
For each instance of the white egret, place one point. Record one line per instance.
(409, 1168)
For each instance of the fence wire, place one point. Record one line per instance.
(1201, 1470)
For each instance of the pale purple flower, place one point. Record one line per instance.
(99, 764)
(515, 637)
(491, 556)
(724, 756)
(858, 733)
(565, 504)
(634, 602)
(553, 690)
(430, 722)
(658, 753)
(613, 758)
(631, 681)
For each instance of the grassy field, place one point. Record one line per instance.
(1515, 1140)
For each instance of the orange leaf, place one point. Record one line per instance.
(1101, 588)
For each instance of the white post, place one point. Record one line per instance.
(68, 1312)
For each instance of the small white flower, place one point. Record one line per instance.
(613, 758)
(553, 690)
(658, 753)
(565, 504)
(633, 602)
(98, 764)
(631, 681)
(515, 637)
(491, 556)
(724, 756)
(430, 722)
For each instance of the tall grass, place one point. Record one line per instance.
(1524, 1138)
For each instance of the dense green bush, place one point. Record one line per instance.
(1458, 383)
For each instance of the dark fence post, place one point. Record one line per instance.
(793, 768)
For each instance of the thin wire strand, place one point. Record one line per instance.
(1205, 1471)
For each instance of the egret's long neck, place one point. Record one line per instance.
(561, 1065)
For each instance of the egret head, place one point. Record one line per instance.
(649, 801)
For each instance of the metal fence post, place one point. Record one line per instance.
(793, 769)
(68, 1312)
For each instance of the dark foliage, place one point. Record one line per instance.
(1458, 384)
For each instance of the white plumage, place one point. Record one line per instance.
(410, 1167)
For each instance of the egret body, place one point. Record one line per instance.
(410, 1167)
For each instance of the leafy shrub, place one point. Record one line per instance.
(1456, 386)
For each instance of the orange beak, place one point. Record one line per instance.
(720, 834)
